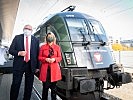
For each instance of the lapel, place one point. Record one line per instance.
(22, 37)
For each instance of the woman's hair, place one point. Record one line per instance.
(52, 34)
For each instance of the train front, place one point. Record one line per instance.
(87, 58)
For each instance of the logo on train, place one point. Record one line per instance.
(97, 57)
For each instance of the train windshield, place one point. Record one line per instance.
(78, 29)
(96, 27)
(81, 30)
(97, 32)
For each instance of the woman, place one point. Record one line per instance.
(50, 73)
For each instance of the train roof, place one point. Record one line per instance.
(68, 14)
(74, 14)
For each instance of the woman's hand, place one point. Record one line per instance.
(50, 60)
(47, 60)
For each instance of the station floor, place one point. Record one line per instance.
(5, 83)
(6, 80)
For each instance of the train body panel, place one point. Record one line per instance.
(78, 41)
(87, 58)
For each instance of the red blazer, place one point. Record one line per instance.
(55, 68)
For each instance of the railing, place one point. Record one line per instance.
(124, 58)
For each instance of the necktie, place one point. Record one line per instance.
(27, 50)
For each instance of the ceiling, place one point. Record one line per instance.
(8, 12)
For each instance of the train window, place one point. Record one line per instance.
(37, 34)
(96, 27)
(43, 34)
(97, 32)
(78, 29)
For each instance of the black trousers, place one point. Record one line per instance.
(46, 86)
(17, 78)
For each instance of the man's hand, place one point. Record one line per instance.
(37, 70)
(21, 53)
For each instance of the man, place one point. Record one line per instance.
(25, 49)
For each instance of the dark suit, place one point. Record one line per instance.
(20, 66)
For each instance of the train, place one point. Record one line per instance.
(87, 65)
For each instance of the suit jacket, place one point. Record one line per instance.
(18, 45)
(55, 72)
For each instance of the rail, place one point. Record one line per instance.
(37, 93)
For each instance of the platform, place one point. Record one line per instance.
(5, 83)
(6, 80)
(7, 67)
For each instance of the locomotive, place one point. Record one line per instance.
(87, 61)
